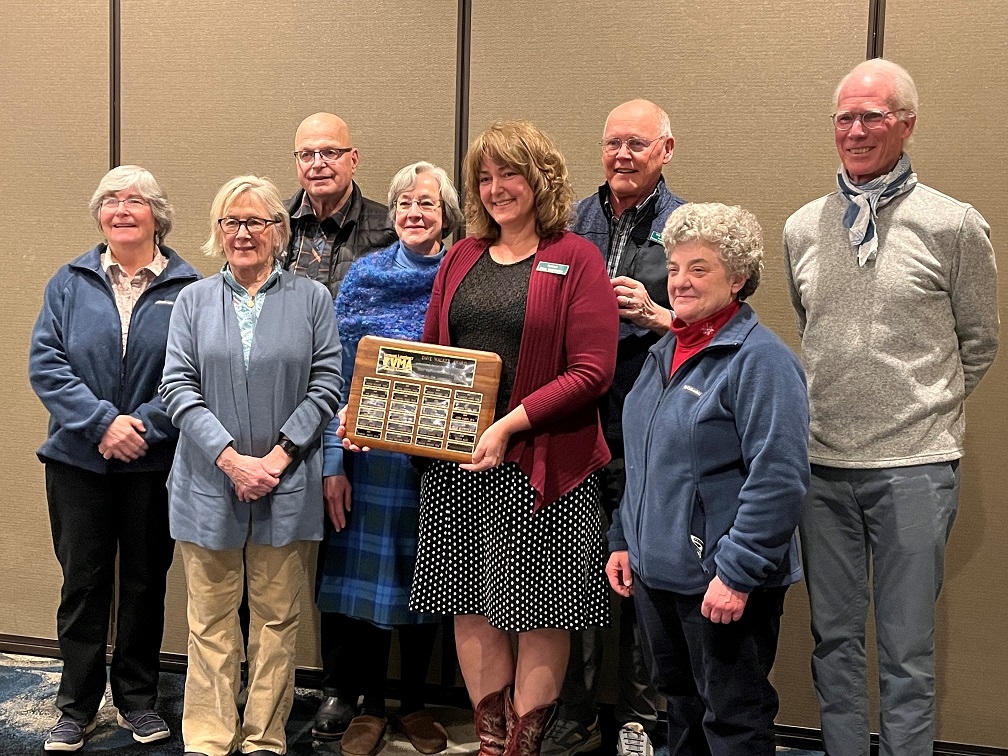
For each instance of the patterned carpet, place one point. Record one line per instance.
(28, 690)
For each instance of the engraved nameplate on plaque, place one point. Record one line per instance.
(424, 399)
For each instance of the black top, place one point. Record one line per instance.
(488, 313)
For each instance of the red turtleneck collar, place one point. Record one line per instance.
(692, 337)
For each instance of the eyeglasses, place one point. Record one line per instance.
(612, 145)
(870, 119)
(230, 226)
(424, 204)
(328, 154)
(132, 203)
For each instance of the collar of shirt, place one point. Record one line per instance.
(155, 267)
(305, 210)
(240, 290)
(634, 212)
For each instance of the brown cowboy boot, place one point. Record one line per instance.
(525, 733)
(490, 724)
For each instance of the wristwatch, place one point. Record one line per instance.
(291, 449)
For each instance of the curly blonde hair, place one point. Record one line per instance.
(522, 146)
(733, 232)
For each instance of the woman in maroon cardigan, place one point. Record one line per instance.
(512, 542)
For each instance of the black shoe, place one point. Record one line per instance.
(332, 719)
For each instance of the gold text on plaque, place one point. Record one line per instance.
(397, 363)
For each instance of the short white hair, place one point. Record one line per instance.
(406, 180)
(904, 91)
(143, 182)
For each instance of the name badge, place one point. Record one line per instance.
(556, 268)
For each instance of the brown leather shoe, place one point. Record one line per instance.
(365, 736)
(490, 724)
(425, 733)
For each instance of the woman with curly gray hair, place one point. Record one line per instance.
(716, 435)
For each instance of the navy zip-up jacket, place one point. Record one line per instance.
(716, 463)
(77, 368)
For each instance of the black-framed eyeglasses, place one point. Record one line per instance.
(870, 119)
(231, 226)
(612, 145)
(132, 203)
(327, 154)
(424, 205)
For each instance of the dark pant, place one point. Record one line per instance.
(714, 676)
(356, 658)
(636, 699)
(93, 517)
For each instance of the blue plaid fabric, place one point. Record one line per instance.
(368, 566)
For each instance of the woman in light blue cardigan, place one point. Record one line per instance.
(252, 377)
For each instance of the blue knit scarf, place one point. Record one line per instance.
(379, 298)
(865, 200)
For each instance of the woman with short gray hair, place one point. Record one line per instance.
(251, 378)
(716, 437)
(369, 554)
(96, 357)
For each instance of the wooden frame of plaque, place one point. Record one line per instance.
(424, 399)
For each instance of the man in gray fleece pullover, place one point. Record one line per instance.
(895, 289)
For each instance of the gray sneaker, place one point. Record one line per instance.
(633, 740)
(68, 734)
(568, 736)
(146, 725)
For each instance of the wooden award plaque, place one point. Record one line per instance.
(424, 399)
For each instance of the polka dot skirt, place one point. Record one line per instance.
(483, 551)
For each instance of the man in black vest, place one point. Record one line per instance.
(332, 223)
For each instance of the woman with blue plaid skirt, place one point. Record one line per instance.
(366, 570)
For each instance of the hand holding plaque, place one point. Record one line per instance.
(423, 399)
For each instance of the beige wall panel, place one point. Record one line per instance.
(748, 89)
(957, 54)
(53, 152)
(213, 90)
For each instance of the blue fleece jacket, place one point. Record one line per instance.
(716, 463)
(77, 368)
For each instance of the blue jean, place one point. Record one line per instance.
(891, 523)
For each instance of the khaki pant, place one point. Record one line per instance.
(214, 583)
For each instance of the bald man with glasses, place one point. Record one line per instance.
(624, 219)
(332, 223)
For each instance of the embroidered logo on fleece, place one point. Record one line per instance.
(692, 389)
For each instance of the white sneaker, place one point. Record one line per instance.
(568, 737)
(633, 740)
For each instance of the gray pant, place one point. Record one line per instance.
(636, 697)
(893, 524)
